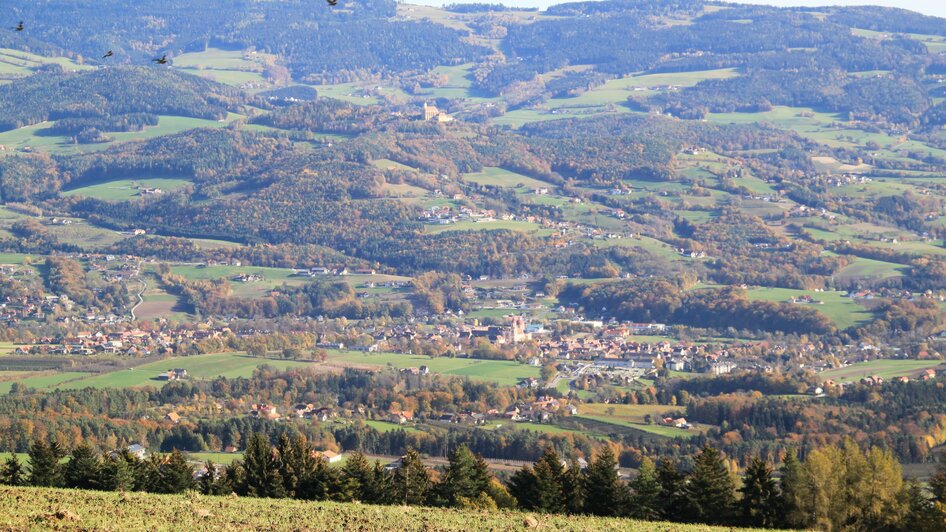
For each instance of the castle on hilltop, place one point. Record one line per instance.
(433, 114)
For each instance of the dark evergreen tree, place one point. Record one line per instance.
(761, 499)
(793, 492)
(261, 476)
(213, 481)
(382, 486)
(359, 472)
(175, 475)
(13, 473)
(937, 481)
(117, 473)
(550, 482)
(411, 479)
(295, 461)
(465, 478)
(573, 488)
(923, 514)
(671, 483)
(148, 474)
(325, 483)
(45, 469)
(645, 493)
(524, 486)
(605, 494)
(709, 493)
(83, 469)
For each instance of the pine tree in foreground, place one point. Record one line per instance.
(45, 469)
(709, 493)
(605, 493)
(645, 493)
(13, 473)
(83, 470)
(761, 499)
(411, 480)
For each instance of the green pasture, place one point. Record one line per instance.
(843, 311)
(500, 177)
(502, 372)
(888, 369)
(230, 365)
(871, 269)
(511, 225)
(126, 189)
(43, 382)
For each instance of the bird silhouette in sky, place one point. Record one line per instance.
(332, 2)
(162, 61)
(19, 27)
(108, 54)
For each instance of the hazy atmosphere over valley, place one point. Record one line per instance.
(362, 264)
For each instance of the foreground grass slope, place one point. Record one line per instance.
(43, 509)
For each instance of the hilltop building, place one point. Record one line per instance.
(433, 114)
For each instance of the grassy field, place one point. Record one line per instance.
(387, 426)
(231, 67)
(44, 508)
(272, 278)
(632, 416)
(511, 225)
(23, 137)
(499, 177)
(126, 189)
(887, 369)
(229, 365)
(843, 311)
(616, 91)
(870, 268)
(42, 381)
(502, 372)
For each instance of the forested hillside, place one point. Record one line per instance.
(653, 259)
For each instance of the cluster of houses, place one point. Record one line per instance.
(871, 380)
(321, 271)
(130, 342)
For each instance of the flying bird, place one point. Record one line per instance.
(108, 54)
(332, 2)
(19, 27)
(162, 61)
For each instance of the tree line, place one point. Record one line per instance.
(840, 487)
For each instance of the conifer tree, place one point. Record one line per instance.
(550, 485)
(45, 469)
(294, 460)
(13, 473)
(671, 483)
(710, 491)
(793, 489)
(382, 486)
(214, 482)
(573, 488)
(604, 491)
(83, 469)
(923, 514)
(524, 486)
(175, 475)
(261, 476)
(466, 476)
(411, 480)
(117, 474)
(361, 475)
(759, 506)
(645, 493)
